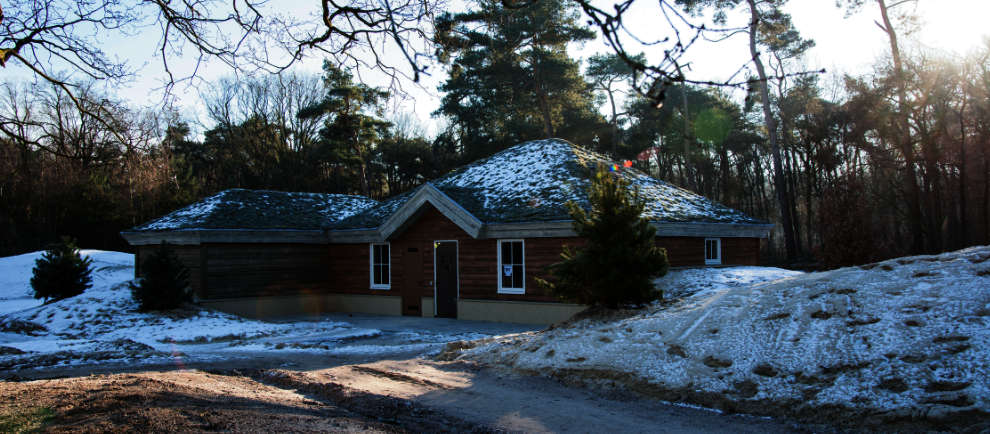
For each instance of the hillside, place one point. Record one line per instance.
(903, 340)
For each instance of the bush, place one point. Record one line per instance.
(61, 272)
(164, 281)
(618, 263)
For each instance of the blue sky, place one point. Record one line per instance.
(844, 45)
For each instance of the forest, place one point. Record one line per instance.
(851, 168)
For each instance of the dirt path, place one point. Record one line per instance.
(413, 395)
(169, 401)
(515, 403)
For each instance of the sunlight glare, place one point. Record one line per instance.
(954, 25)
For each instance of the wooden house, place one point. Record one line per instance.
(466, 245)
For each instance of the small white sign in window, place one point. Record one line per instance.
(507, 270)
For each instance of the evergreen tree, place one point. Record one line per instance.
(164, 282)
(350, 134)
(620, 259)
(61, 272)
(612, 76)
(771, 29)
(511, 78)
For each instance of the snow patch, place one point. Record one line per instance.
(907, 335)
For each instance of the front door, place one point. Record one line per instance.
(445, 267)
(412, 272)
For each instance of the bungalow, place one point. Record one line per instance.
(466, 245)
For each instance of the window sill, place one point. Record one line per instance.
(512, 291)
(381, 288)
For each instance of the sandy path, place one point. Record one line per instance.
(520, 403)
(176, 401)
(411, 395)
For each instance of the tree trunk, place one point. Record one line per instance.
(616, 138)
(783, 202)
(963, 220)
(687, 135)
(904, 139)
(543, 100)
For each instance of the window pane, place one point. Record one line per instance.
(506, 280)
(376, 255)
(517, 276)
(517, 253)
(385, 254)
(385, 274)
(506, 253)
(376, 275)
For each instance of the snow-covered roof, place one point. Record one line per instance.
(261, 209)
(532, 181)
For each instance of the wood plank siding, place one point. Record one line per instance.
(690, 251)
(229, 270)
(188, 255)
(478, 260)
(249, 270)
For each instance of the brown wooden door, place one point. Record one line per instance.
(445, 268)
(412, 276)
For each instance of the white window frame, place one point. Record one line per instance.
(718, 252)
(498, 271)
(371, 266)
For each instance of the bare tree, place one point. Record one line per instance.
(51, 36)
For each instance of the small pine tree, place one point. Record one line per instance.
(618, 263)
(164, 281)
(61, 272)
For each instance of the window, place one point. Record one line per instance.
(381, 275)
(713, 251)
(511, 267)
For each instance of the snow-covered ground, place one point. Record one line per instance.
(103, 325)
(905, 338)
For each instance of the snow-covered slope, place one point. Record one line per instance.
(903, 338)
(103, 323)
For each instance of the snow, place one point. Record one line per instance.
(262, 209)
(103, 324)
(908, 335)
(535, 179)
(185, 217)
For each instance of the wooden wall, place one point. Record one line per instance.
(249, 270)
(245, 270)
(690, 251)
(190, 257)
(412, 271)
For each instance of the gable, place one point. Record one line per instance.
(428, 194)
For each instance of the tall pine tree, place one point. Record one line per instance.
(618, 263)
(511, 78)
(354, 128)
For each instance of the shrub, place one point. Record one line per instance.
(164, 281)
(61, 272)
(620, 259)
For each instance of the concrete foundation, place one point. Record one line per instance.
(526, 312)
(427, 307)
(523, 312)
(307, 304)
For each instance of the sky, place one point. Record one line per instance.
(844, 45)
